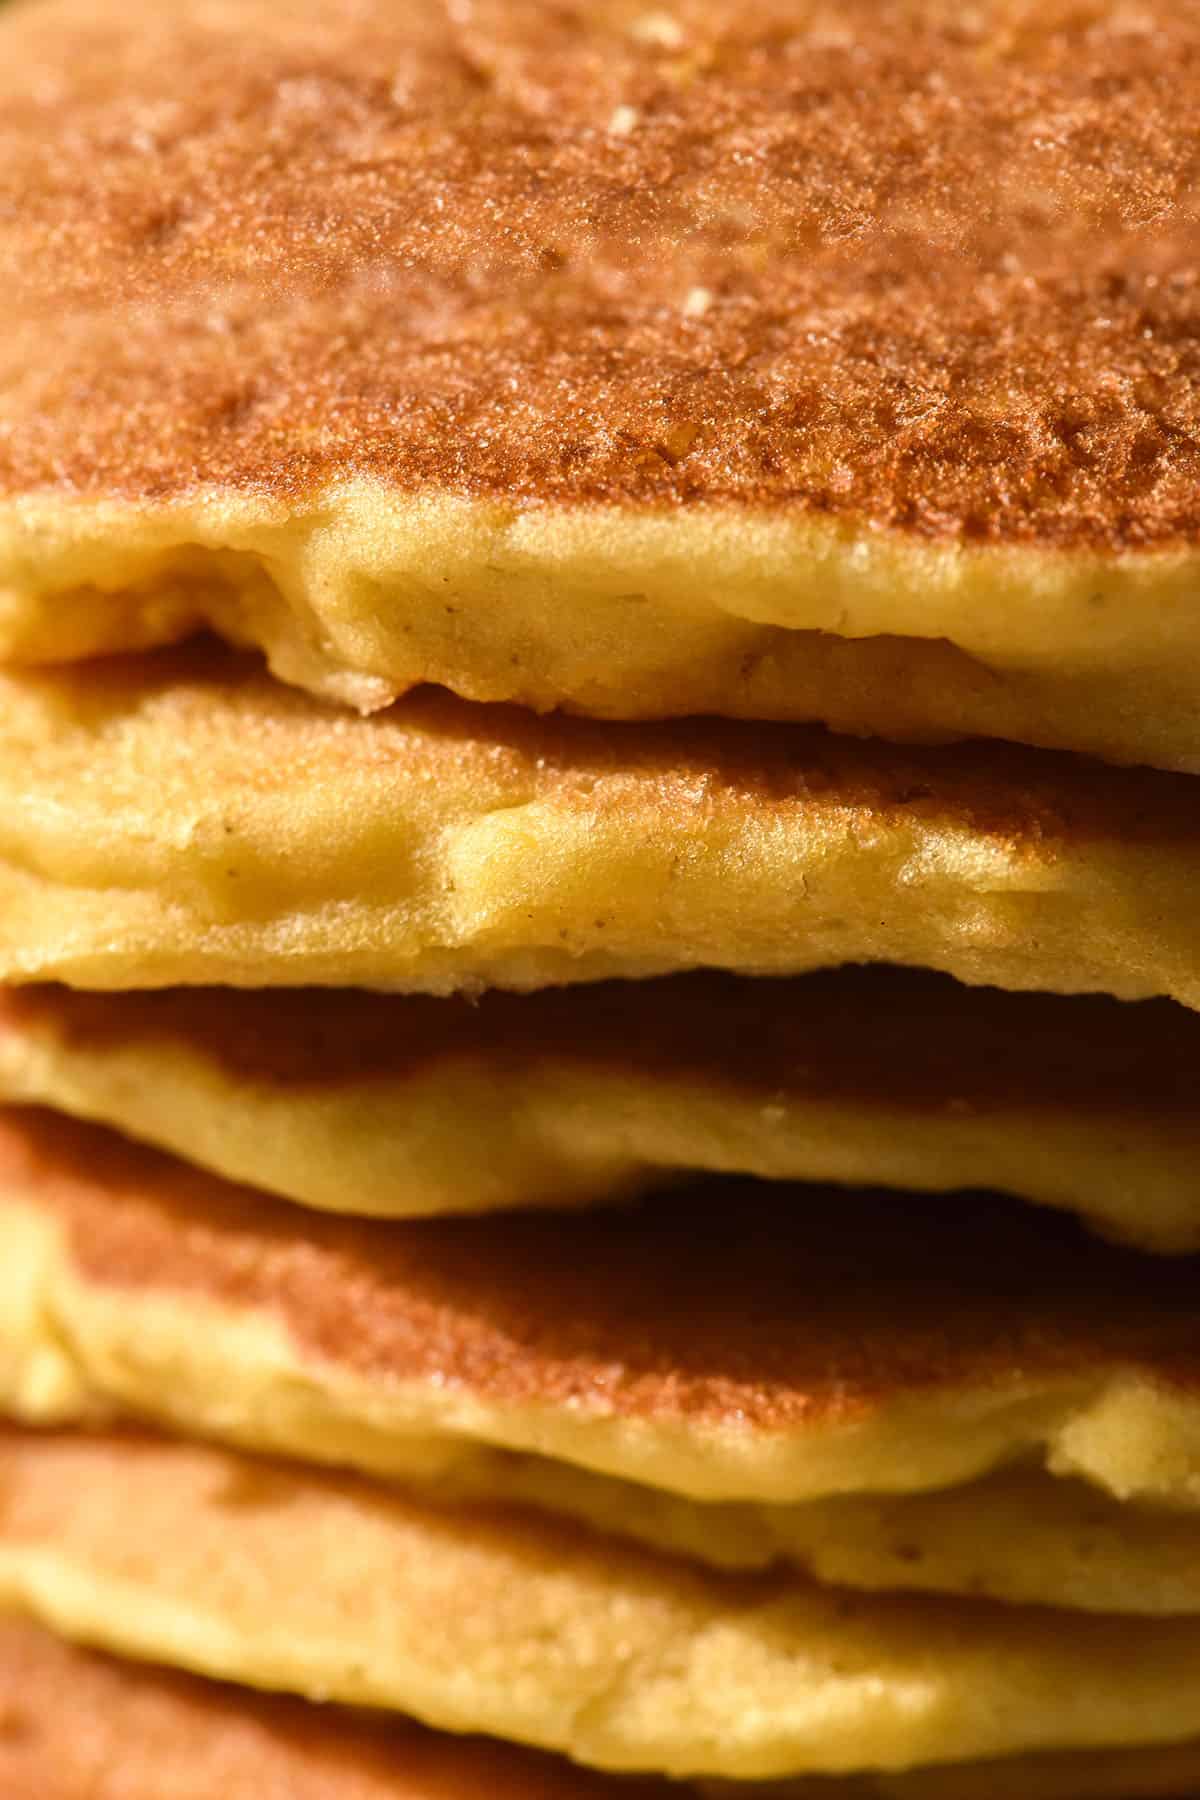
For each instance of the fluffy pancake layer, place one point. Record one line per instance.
(725, 1344)
(555, 401)
(82, 1726)
(626, 617)
(491, 1620)
(354, 1102)
(186, 820)
(79, 1725)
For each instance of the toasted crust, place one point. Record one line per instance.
(734, 1341)
(684, 1309)
(822, 361)
(946, 256)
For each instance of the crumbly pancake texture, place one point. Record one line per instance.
(828, 361)
(494, 1620)
(354, 1102)
(184, 819)
(80, 1725)
(735, 1344)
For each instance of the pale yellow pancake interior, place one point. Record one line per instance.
(92, 1727)
(624, 615)
(488, 1620)
(185, 820)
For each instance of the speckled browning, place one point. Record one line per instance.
(923, 264)
(780, 1310)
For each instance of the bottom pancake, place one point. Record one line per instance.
(79, 1725)
(493, 1621)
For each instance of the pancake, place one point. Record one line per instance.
(83, 1726)
(185, 820)
(354, 1102)
(73, 1349)
(832, 361)
(493, 1620)
(1025, 1537)
(725, 1343)
(79, 1725)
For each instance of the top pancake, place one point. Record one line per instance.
(460, 177)
(603, 359)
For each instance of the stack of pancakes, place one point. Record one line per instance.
(600, 899)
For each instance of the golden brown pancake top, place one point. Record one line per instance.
(773, 1306)
(904, 1037)
(926, 265)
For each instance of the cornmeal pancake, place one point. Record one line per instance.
(728, 1343)
(83, 1726)
(355, 1102)
(79, 1725)
(184, 819)
(831, 361)
(499, 1621)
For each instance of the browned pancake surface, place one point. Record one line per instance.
(898, 1036)
(724, 1302)
(895, 260)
